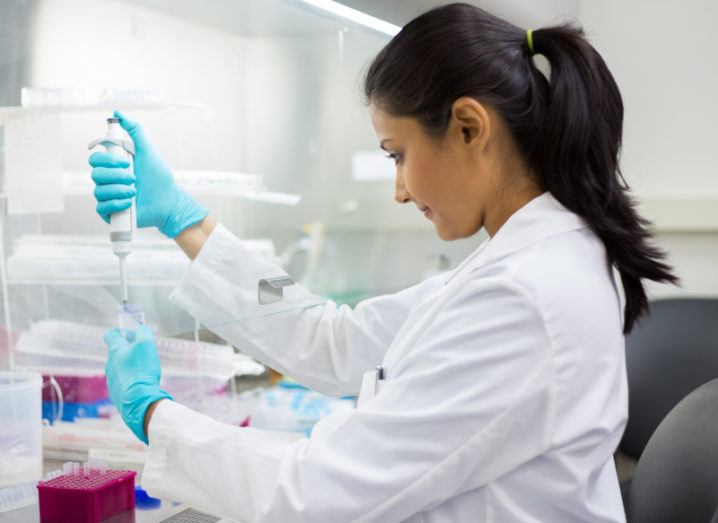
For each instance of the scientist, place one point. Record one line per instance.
(501, 392)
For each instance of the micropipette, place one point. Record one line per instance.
(122, 223)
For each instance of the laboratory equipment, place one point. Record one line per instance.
(77, 397)
(191, 515)
(122, 223)
(74, 258)
(106, 439)
(17, 496)
(130, 316)
(161, 203)
(200, 183)
(75, 411)
(291, 407)
(144, 501)
(88, 97)
(87, 493)
(20, 427)
(77, 389)
(68, 348)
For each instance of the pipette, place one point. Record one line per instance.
(123, 278)
(122, 223)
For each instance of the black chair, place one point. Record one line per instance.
(676, 479)
(668, 354)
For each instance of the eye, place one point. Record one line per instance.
(394, 156)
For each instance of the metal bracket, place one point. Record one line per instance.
(271, 290)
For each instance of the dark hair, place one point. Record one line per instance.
(568, 129)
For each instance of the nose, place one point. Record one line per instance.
(401, 195)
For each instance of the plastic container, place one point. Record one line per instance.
(20, 427)
(77, 389)
(144, 501)
(67, 397)
(130, 316)
(74, 411)
(291, 408)
(66, 348)
(88, 495)
(18, 496)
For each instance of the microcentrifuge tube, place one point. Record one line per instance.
(130, 316)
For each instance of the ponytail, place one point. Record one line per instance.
(577, 160)
(568, 129)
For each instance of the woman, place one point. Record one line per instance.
(501, 392)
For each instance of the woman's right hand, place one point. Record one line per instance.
(159, 201)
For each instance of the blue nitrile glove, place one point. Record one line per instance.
(133, 375)
(160, 202)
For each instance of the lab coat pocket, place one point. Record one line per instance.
(371, 384)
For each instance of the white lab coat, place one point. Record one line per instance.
(504, 395)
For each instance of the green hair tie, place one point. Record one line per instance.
(530, 41)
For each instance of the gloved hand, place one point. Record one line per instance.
(133, 375)
(160, 202)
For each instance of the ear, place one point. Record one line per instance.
(470, 122)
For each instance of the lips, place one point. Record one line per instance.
(425, 210)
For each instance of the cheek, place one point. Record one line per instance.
(423, 179)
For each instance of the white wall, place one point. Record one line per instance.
(663, 56)
(520, 12)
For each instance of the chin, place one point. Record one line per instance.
(445, 235)
(450, 235)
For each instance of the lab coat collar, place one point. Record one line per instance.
(541, 218)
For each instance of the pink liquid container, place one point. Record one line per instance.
(77, 389)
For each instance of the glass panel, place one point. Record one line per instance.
(257, 107)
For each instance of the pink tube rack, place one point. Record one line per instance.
(88, 495)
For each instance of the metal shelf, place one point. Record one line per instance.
(89, 283)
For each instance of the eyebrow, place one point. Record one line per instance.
(381, 144)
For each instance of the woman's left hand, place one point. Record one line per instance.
(133, 375)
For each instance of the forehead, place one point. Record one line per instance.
(388, 126)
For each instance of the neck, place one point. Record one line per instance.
(510, 200)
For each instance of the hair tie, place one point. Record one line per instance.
(530, 41)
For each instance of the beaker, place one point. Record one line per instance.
(21, 422)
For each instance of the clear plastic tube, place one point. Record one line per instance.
(123, 279)
(130, 316)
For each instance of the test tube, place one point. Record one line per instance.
(130, 316)
(52, 475)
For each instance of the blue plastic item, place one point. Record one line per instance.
(70, 411)
(144, 501)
